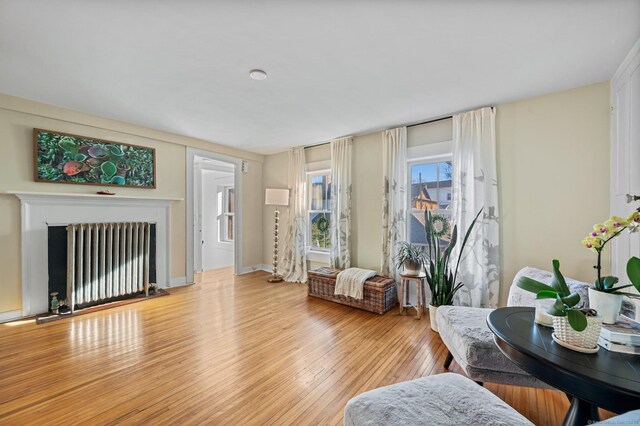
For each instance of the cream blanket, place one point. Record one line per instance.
(350, 282)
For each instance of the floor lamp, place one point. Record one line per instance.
(276, 197)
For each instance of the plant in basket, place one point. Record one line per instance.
(574, 326)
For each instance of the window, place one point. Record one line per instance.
(229, 211)
(319, 208)
(430, 183)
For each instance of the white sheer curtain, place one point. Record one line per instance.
(340, 224)
(294, 262)
(394, 196)
(475, 186)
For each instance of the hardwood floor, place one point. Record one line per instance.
(231, 350)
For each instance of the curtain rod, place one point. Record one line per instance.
(406, 125)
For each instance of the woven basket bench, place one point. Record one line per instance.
(380, 293)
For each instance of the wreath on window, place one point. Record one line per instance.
(440, 225)
(323, 224)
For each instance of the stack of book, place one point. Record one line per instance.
(623, 336)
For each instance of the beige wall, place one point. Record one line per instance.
(553, 156)
(366, 188)
(18, 117)
(553, 165)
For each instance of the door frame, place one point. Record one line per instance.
(193, 200)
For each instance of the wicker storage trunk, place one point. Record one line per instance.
(379, 292)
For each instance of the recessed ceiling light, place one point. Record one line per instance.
(257, 74)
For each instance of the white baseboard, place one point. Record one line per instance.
(10, 316)
(266, 268)
(254, 268)
(178, 281)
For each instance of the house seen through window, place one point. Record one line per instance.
(319, 208)
(430, 183)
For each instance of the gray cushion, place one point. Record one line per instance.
(465, 332)
(443, 399)
(630, 418)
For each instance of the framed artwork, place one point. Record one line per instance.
(66, 158)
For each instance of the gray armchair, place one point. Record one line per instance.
(471, 344)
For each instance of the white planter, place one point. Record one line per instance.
(432, 317)
(412, 268)
(587, 339)
(607, 304)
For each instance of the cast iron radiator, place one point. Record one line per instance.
(107, 260)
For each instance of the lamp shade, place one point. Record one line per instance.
(276, 197)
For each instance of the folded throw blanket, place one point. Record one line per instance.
(350, 282)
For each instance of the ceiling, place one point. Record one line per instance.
(334, 67)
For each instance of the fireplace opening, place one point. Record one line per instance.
(115, 252)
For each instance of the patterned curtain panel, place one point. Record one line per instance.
(475, 186)
(340, 224)
(294, 262)
(394, 196)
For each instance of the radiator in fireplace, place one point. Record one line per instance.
(107, 260)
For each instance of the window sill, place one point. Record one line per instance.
(318, 256)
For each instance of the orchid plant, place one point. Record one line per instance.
(596, 241)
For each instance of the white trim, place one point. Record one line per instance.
(318, 256)
(10, 316)
(316, 166)
(20, 194)
(191, 153)
(627, 61)
(179, 281)
(250, 269)
(265, 268)
(431, 151)
(38, 211)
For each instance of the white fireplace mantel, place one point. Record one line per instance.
(40, 210)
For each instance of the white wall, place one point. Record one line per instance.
(215, 253)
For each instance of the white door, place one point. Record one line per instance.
(625, 156)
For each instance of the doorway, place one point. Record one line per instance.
(216, 214)
(214, 205)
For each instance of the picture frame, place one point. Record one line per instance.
(60, 157)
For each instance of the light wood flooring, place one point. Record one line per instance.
(230, 350)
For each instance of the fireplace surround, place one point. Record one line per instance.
(39, 211)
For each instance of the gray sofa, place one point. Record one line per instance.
(443, 399)
(465, 332)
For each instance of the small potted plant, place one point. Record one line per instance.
(574, 327)
(410, 258)
(605, 296)
(441, 279)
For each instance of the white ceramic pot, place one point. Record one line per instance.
(412, 268)
(607, 304)
(587, 339)
(432, 317)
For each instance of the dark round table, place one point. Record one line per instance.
(610, 380)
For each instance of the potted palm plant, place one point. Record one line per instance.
(441, 278)
(574, 327)
(605, 296)
(410, 258)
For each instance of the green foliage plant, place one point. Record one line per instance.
(442, 280)
(409, 252)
